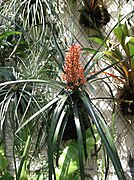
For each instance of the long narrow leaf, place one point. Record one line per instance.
(80, 140)
(105, 136)
(52, 83)
(23, 158)
(38, 113)
(101, 71)
(53, 135)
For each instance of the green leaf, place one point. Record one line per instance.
(54, 131)
(7, 176)
(22, 170)
(98, 40)
(114, 55)
(125, 29)
(68, 162)
(105, 135)
(80, 141)
(2, 148)
(130, 42)
(132, 62)
(121, 33)
(89, 50)
(3, 162)
(6, 34)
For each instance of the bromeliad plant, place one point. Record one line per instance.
(71, 114)
(125, 68)
(122, 53)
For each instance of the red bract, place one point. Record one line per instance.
(73, 70)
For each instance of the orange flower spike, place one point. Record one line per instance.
(73, 70)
